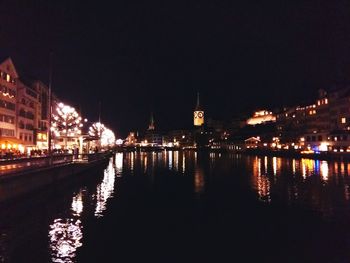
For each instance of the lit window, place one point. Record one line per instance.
(8, 78)
(318, 103)
(343, 120)
(326, 101)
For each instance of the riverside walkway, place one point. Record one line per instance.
(15, 166)
(22, 176)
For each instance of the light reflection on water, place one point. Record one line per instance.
(317, 185)
(77, 204)
(105, 190)
(65, 238)
(119, 164)
(65, 234)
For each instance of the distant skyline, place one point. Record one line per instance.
(143, 57)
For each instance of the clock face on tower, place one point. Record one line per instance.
(198, 118)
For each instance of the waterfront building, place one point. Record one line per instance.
(260, 117)
(27, 117)
(198, 114)
(42, 116)
(131, 139)
(8, 100)
(339, 103)
(152, 137)
(291, 124)
(179, 138)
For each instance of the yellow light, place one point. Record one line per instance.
(3, 146)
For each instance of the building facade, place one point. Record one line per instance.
(27, 103)
(8, 100)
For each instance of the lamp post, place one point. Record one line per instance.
(49, 135)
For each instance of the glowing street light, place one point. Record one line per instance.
(66, 122)
(108, 138)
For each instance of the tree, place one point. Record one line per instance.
(66, 122)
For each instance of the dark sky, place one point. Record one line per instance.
(138, 57)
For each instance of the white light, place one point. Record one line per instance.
(323, 147)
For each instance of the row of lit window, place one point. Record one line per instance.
(7, 105)
(25, 137)
(7, 118)
(293, 116)
(311, 106)
(28, 103)
(26, 114)
(42, 136)
(7, 132)
(319, 138)
(322, 102)
(27, 126)
(7, 77)
(312, 112)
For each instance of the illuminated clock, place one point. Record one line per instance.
(200, 114)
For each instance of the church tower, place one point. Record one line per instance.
(151, 123)
(198, 118)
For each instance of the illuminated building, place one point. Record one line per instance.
(8, 97)
(42, 116)
(152, 138)
(131, 139)
(260, 117)
(179, 138)
(198, 116)
(252, 142)
(27, 119)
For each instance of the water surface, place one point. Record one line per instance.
(186, 207)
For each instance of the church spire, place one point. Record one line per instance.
(198, 103)
(151, 123)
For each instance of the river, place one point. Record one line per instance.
(184, 206)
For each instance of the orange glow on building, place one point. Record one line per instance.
(260, 117)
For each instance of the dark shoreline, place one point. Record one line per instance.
(326, 156)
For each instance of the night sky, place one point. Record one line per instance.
(138, 57)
